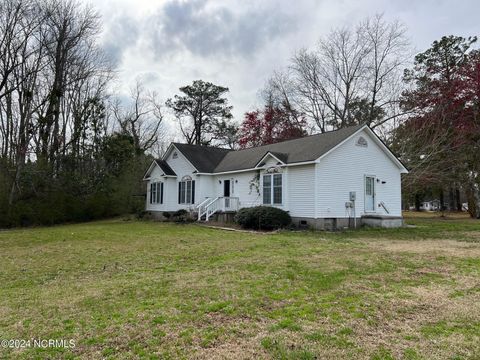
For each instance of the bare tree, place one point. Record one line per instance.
(142, 119)
(50, 68)
(20, 61)
(389, 52)
(352, 76)
(70, 32)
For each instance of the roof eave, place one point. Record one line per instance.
(393, 157)
(148, 171)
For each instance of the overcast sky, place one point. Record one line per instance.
(238, 43)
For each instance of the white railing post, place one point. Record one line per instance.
(221, 203)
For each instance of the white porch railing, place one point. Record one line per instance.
(210, 206)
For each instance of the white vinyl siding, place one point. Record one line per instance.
(243, 189)
(182, 167)
(344, 170)
(300, 185)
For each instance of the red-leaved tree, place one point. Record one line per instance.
(440, 141)
(269, 126)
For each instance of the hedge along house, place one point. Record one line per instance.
(337, 179)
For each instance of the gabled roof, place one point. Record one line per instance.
(204, 158)
(308, 148)
(167, 170)
(281, 157)
(207, 159)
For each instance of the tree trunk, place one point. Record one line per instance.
(442, 200)
(458, 199)
(473, 199)
(476, 201)
(417, 202)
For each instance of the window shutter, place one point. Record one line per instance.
(161, 193)
(193, 191)
(179, 192)
(151, 193)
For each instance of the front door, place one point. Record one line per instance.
(226, 188)
(369, 193)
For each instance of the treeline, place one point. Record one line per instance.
(71, 151)
(67, 151)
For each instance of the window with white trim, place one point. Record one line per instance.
(186, 191)
(272, 189)
(156, 193)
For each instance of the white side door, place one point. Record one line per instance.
(369, 193)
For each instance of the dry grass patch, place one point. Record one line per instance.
(146, 290)
(433, 247)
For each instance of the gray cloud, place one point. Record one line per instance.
(238, 43)
(122, 34)
(206, 31)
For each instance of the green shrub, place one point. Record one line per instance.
(141, 214)
(181, 216)
(263, 218)
(166, 215)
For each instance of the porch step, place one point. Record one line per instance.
(220, 205)
(222, 217)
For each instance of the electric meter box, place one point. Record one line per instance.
(353, 195)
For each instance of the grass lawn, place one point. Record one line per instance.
(128, 289)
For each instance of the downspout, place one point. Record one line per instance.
(315, 196)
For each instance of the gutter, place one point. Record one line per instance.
(259, 168)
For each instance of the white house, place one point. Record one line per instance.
(337, 179)
(433, 205)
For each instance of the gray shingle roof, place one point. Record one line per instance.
(167, 170)
(204, 158)
(308, 148)
(213, 160)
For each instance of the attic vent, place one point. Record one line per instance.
(175, 155)
(362, 142)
